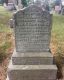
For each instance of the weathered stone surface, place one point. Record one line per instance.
(32, 72)
(32, 29)
(28, 58)
(39, 79)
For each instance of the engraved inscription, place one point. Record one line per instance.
(32, 30)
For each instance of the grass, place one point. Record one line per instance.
(57, 42)
(5, 33)
(58, 27)
(4, 20)
(58, 31)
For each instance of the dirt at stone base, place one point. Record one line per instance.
(4, 66)
(3, 69)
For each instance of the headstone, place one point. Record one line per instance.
(32, 59)
(32, 30)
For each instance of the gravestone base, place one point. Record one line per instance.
(32, 70)
(28, 58)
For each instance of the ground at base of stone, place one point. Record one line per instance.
(3, 69)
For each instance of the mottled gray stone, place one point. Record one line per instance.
(32, 72)
(32, 29)
(28, 58)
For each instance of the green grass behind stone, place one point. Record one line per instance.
(58, 27)
(4, 20)
(58, 31)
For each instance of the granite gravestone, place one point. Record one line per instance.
(32, 30)
(32, 59)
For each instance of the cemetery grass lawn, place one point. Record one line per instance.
(5, 30)
(57, 38)
(57, 43)
(4, 20)
(6, 41)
